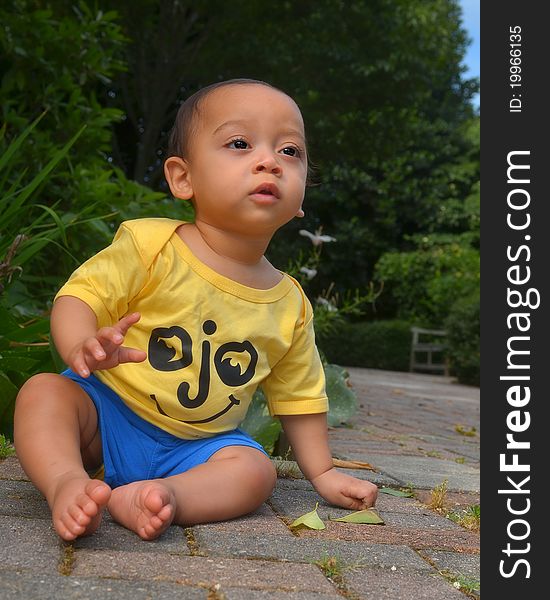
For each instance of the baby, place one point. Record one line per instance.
(168, 332)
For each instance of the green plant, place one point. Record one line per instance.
(462, 326)
(469, 517)
(374, 344)
(260, 425)
(6, 447)
(425, 282)
(465, 432)
(467, 585)
(27, 228)
(332, 567)
(438, 497)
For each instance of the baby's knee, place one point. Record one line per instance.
(36, 388)
(263, 475)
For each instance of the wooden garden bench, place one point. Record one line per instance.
(426, 342)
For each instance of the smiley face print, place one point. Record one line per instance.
(171, 349)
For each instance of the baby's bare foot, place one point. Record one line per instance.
(146, 507)
(77, 504)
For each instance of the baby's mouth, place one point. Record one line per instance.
(267, 189)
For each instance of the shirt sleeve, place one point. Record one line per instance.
(296, 384)
(109, 280)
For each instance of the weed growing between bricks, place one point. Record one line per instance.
(214, 593)
(192, 543)
(66, 562)
(332, 568)
(467, 585)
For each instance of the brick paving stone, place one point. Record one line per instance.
(418, 521)
(111, 536)
(242, 594)
(202, 571)
(263, 521)
(29, 586)
(22, 499)
(401, 584)
(11, 469)
(302, 501)
(351, 553)
(427, 472)
(29, 544)
(454, 540)
(466, 565)
(395, 504)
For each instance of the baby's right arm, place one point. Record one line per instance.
(82, 346)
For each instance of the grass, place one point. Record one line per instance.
(467, 585)
(6, 447)
(66, 563)
(469, 517)
(466, 432)
(332, 568)
(438, 498)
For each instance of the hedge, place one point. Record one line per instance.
(375, 344)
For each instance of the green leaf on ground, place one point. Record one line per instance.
(392, 492)
(366, 517)
(310, 520)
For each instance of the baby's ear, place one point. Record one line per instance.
(178, 177)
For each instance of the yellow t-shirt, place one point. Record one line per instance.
(210, 341)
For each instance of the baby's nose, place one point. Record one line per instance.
(268, 162)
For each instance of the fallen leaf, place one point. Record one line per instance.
(310, 520)
(367, 517)
(392, 492)
(353, 464)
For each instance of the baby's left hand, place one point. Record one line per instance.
(345, 491)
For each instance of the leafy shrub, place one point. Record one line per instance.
(425, 282)
(462, 326)
(377, 344)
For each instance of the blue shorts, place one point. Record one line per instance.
(136, 450)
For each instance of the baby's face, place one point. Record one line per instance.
(247, 159)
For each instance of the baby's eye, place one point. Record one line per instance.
(291, 151)
(238, 144)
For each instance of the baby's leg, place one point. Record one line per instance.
(56, 438)
(234, 481)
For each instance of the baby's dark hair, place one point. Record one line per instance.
(182, 131)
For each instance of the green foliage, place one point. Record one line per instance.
(462, 327)
(57, 190)
(24, 351)
(377, 345)
(423, 283)
(342, 398)
(37, 77)
(57, 60)
(260, 425)
(26, 229)
(6, 448)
